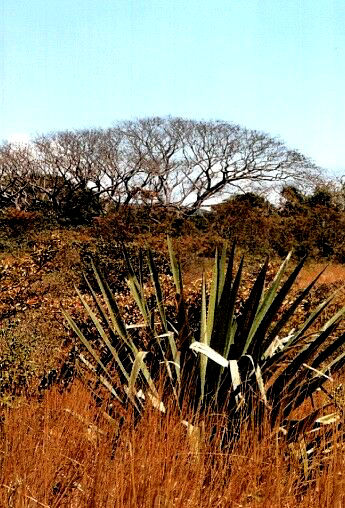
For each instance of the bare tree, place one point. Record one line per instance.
(153, 153)
(221, 157)
(184, 163)
(16, 168)
(155, 161)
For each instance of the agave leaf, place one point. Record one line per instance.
(229, 319)
(291, 381)
(226, 325)
(203, 338)
(224, 328)
(112, 307)
(130, 269)
(172, 381)
(103, 335)
(213, 299)
(261, 384)
(334, 319)
(258, 375)
(275, 346)
(235, 374)
(141, 270)
(175, 361)
(306, 389)
(175, 355)
(224, 310)
(136, 286)
(87, 344)
(336, 364)
(328, 352)
(328, 419)
(101, 310)
(318, 372)
(182, 316)
(222, 271)
(273, 289)
(290, 311)
(137, 365)
(139, 299)
(119, 326)
(156, 402)
(175, 267)
(295, 337)
(176, 364)
(113, 335)
(242, 339)
(270, 306)
(206, 350)
(308, 351)
(266, 309)
(149, 380)
(291, 377)
(233, 325)
(172, 343)
(158, 290)
(236, 381)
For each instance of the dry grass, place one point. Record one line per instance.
(62, 452)
(334, 274)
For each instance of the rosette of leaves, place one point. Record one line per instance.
(245, 362)
(249, 356)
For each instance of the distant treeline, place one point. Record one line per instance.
(308, 224)
(156, 175)
(166, 162)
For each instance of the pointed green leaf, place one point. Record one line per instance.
(87, 344)
(242, 340)
(103, 334)
(158, 291)
(175, 267)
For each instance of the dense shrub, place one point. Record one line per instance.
(16, 222)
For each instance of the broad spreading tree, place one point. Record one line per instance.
(169, 162)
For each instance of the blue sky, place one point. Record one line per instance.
(272, 65)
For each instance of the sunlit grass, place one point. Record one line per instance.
(64, 452)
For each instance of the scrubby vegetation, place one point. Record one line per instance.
(138, 370)
(46, 368)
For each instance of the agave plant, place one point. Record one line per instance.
(242, 356)
(249, 352)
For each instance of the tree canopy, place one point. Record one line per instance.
(170, 161)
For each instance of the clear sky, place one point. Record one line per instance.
(272, 65)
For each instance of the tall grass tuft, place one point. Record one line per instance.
(64, 452)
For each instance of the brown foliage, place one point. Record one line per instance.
(16, 222)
